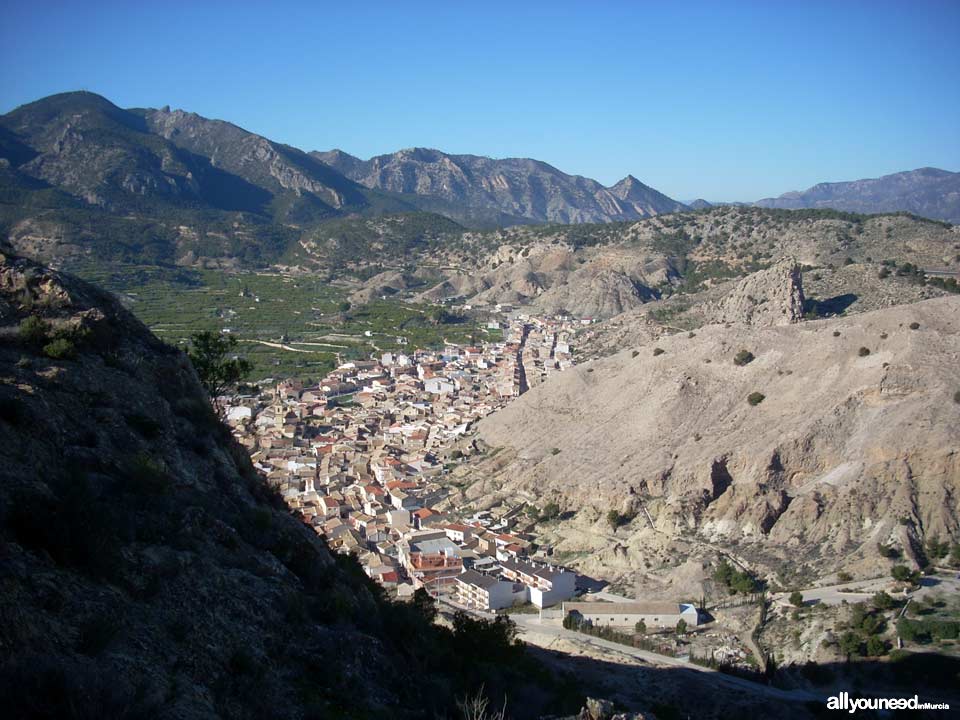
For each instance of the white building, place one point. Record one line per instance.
(628, 614)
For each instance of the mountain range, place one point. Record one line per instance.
(927, 191)
(521, 189)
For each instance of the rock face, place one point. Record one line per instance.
(770, 297)
(928, 192)
(851, 441)
(519, 188)
(148, 571)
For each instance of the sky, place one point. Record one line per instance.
(720, 100)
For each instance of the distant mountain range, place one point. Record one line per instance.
(80, 176)
(928, 192)
(520, 189)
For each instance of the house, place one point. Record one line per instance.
(485, 592)
(458, 533)
(432, 561)
(628, 614)
(548, 584)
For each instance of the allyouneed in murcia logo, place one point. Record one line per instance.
(843, 701)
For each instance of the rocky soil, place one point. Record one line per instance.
(850, 441)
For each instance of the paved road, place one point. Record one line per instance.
(836, 594)
(531, 625)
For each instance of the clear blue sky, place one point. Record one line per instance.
(728, 101)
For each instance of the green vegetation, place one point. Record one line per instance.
(744, 357)
(796, 598)
(288, 325)
(755, 398)
(902, 573)
(216, 364)
(615, 518)
(863, 351)
(736, 581)
(658, 351)
(640, 628)
(681, 628)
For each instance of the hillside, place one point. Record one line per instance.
(928, 192)
(519, 188)
(148, 570)
(80, 176)
(852, 445)
(603, 270)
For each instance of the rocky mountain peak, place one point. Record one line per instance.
(769, 297)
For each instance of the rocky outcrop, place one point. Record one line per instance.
(770, 297)
(839, 435)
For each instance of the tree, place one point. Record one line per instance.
(425, 605)
(212, 357)
(902, 573)
(640, 628)
(882, 601)
(550, 511)
(850, 644)
(682, 627)
(875, 646)
(796, 598)
(343, 307)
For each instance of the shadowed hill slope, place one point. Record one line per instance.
(147, 571)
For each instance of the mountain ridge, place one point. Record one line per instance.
(518, 186)
(926, 191)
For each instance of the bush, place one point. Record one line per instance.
(658, 351)
(914, 326)
(744, 357)
(60, 349)
(875, 647)
(796, 598)
(956, 397)
(863, 352)
(755, 398)
(902, 573)
(844, 576)
(33, 331)
(640, 628)
(882, 601)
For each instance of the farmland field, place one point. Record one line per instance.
(288, 326)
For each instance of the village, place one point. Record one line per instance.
(361, 457)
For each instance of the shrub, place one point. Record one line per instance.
(634, 353)
(744, 357)
(640, 628)
(796, 598)
(956, 397)
(755, 398)
(844, 576)
(902, 573)
(33, 331)
(554, 451)
(882, 601)
(863, 352)
(658, 351)
(875, 646)
(836, 333)
(681, 627)
(550, 511)
(914, 326)
(60, 349)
